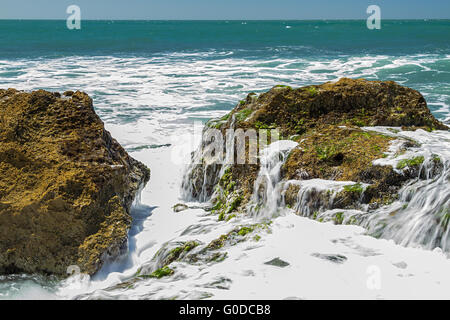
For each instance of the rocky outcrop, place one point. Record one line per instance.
(66, 186)
(326, 122)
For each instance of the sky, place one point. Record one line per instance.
(224, 9)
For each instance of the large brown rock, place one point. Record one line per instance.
(66, 186)
(356, 102)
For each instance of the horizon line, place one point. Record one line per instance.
(312, 19)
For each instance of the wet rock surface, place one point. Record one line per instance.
(277, 262)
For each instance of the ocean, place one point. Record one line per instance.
(152, 80)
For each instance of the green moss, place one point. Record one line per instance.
(172, 256)
(358, 122)
(227, 199)
(226, 117)
(357, 187)
(225, 177)
(138, 272)
(215, 123)
(312, 91)
(416, 161)
(257, 237)
(218, 243)
(230, 186)
(245, 230)
(298, 126)
(162, 272)
(339, 218)
(218, 205)
(243, 114)
(352, 220)
(263, 126)
(445, 220)
(175, 253)
(234, 204)
(218, 257)
(436, 158)
(283, 86)
(188, 246)
(326, 153)
(237, 235)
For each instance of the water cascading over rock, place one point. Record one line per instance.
(362, 152)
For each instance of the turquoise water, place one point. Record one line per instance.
(150, 80)
(157, 70)
(250, 38)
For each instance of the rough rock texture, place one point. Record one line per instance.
(66, 186)
(352, 102)
(325, 120)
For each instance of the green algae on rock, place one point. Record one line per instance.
(326, 121)
(66, 186)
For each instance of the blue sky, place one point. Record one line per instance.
(224, 9)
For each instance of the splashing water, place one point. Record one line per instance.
(308, 200)
(265, 200)
(421, 214)
(419, 217)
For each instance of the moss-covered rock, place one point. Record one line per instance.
(326, 121)
(66, 186)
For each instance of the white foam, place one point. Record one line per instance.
(400, 273)
(169, 89)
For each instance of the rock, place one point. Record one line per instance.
(277, 262)
(335, 258)
(346, 102)
(401, 265)
(66, 186)
(326, 121)
(179, 207)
